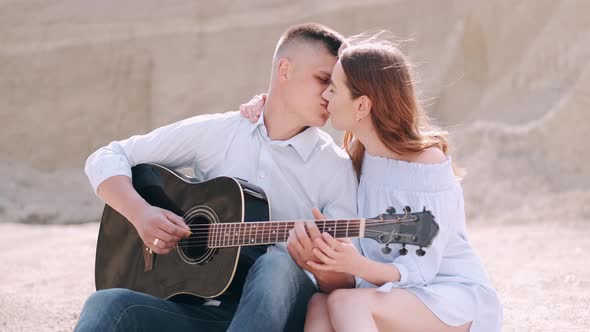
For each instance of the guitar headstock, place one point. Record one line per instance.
(414, 228)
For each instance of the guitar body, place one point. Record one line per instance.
(121, 257)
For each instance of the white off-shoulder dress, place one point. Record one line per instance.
(450, 279)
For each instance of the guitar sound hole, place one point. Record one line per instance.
(195, 246)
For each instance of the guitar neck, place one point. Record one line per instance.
(270, 232)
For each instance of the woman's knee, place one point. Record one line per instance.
(317, 303)
(340, 298)
(317, 318)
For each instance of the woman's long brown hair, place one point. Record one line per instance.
(379, 70)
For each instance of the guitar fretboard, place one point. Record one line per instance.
(270, 232)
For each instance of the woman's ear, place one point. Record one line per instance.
(364, 108)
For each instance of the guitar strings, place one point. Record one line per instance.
(219, 240)
(265, 234)
(228, 245)
(265, 238)
(335, 221)
(243, 232)
(207, 232)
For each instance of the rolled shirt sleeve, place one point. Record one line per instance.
(174, 146)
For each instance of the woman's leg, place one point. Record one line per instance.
(317, 318)
(398, 310)
(349, 313)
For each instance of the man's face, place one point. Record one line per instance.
(310, 76)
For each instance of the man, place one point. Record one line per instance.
(298, 166)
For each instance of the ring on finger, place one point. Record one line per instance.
(156, 241)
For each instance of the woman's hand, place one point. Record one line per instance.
(253, 108)
(336, 255)
(160, 229)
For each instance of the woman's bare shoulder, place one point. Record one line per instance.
(430, 156)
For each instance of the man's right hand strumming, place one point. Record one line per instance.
(159, 229)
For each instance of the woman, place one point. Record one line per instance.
(401, 160)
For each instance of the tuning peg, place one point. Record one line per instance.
(386, 250)
(420, 252)
(403, 251)
(407, 209)
(390, 210)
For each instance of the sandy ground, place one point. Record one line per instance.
(538, 269)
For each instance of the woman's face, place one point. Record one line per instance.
(341, 106)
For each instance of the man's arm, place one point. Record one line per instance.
(174, 146)
(150, 222)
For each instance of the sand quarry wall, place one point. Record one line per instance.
(510, 80)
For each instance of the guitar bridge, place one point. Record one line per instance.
(148, 259)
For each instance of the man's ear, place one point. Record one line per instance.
(284, 69)
(364, 107)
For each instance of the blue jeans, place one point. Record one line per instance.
(274, 298)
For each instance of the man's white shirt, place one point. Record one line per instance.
(309, 170)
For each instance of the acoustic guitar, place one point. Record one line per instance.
(224, 214)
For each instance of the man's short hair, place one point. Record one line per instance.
(312, 32)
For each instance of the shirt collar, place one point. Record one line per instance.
(259, 123)
(304, 142)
